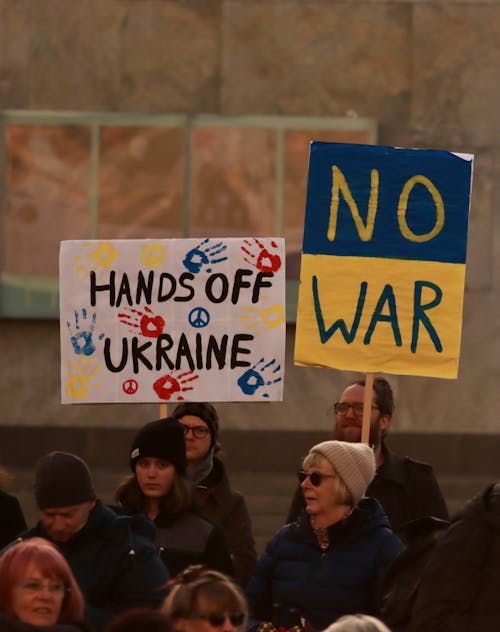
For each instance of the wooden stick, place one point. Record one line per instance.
(163, 411)
(367, 408)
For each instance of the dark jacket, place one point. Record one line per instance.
(9, 624)
(115, 563)
(187, 538)
(12, 521)
(459, 589)
(295, 579)
(220, 504)
(405, 488)
(400, 584)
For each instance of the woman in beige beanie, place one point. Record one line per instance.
(327, 563)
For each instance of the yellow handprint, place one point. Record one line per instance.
(98, 259)
(77, 386)
(259, 319)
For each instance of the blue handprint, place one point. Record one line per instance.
(203, 255)
(82, 340)
(254, 378)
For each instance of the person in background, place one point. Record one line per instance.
(141, 620)
(38, 590)
(159, 487)
(459, 585)
(357, 623)
(214, 497)
(328, 563)
(407, 489)
(12, 520)
(204, 600)
(113, 557)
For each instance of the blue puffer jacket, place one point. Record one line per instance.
(114, 561)
(296, 580)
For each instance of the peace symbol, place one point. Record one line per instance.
(130, 387)
(199, 317)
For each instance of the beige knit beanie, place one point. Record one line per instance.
(354, 462)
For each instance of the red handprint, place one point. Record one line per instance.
(165, 387)
(260, 257)
(150, 326)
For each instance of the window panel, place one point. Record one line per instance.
(131, 176)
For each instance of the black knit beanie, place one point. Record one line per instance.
(162, 439)
(204, 411)
(61, 480)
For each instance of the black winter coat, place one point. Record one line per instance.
(295, 579)
(9, 624)
(115, 563)
(12, 521)
(187, 538)
(459, 589)
(219, 503)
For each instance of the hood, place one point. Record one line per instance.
(484, 507)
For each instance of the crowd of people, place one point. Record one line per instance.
(367, 544)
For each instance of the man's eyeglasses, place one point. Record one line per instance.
(55, 588)
(316, 478)
(342, 408)
(199, 432)
(216, 619)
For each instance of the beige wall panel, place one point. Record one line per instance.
(456, 56)
(177, 69)
(14, 57)
(317, 57)
(480, 261)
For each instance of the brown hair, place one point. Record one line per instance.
(383, 393)
(178, 499)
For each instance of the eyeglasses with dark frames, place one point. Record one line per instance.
(342, 408)
(216, 619)
(199, 432)
(316, 478)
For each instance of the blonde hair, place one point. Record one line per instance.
(357, 623)
(199, 581)
(342, 495)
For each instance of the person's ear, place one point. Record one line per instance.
(385, 421)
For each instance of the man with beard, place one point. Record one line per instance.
(406, 489)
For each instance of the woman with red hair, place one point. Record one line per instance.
(38, 590)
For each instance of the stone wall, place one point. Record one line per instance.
(427, 71)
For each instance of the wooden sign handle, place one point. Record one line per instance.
(367, 408)
(163, 411)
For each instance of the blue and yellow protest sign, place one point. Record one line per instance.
(383, 261)
(174, 319)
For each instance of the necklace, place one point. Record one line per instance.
(321, 534)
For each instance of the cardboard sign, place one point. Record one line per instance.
(383, 263)
(170, 320)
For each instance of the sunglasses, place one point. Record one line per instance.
(316, 478)
(216, 619)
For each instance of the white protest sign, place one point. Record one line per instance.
(170, 320)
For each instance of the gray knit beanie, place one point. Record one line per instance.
(354, 462)
(61, 480)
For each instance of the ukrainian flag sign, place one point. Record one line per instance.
(383, 261)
